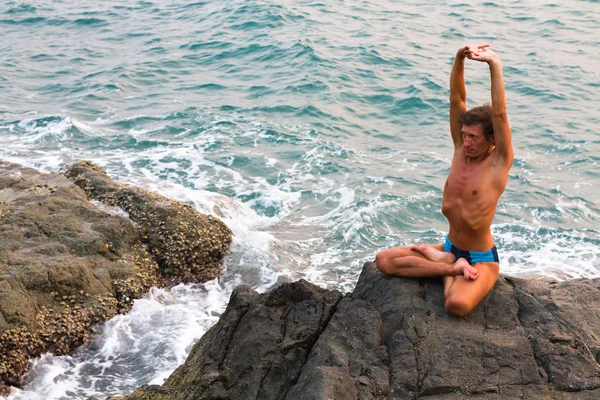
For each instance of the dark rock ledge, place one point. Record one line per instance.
(66, 265)
(392, 339)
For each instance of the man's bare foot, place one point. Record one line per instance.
(433, 254)
(462, 266)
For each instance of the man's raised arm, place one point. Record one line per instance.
(458, 96)
(502, 134)
(458, 90)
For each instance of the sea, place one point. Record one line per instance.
(317, 130)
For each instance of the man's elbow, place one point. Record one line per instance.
(457, 100)
(499, 114)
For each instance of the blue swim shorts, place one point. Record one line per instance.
(472, 256)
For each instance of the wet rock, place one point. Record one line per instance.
(256, 350)
(392, 339)
(187, 245)
(66, 265)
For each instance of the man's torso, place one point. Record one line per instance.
(471, 194)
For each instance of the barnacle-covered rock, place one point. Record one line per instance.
(65, 265)
(188, 246)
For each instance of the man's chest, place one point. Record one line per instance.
(469, 182)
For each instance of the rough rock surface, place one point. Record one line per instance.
(65, 265)
(188, 246)
(392, 339)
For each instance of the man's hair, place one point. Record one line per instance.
(480, 115)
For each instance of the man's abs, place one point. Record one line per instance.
(470, 219)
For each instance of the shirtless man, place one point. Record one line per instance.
(483, 154)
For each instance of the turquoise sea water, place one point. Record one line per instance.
(317, 130)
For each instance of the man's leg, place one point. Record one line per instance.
(422, 261)
(462, 295)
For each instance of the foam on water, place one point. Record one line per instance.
(549, 252)
(146, 344)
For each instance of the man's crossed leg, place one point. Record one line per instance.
(465, 285)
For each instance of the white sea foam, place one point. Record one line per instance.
(548, 252)
(344, 197)
(575, 209)
(157, 334)
(37, 132)
(270, 162)
(82, 127)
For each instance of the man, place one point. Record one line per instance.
(483, 155)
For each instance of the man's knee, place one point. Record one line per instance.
(458, 305)
(383, 261)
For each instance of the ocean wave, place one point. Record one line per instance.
(158, 333)
(548, 252)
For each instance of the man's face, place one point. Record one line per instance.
(474, 141)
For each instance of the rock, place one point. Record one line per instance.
(188, 246)
(562, 324)
(256, 350)
(66, 265)
(392, 339)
